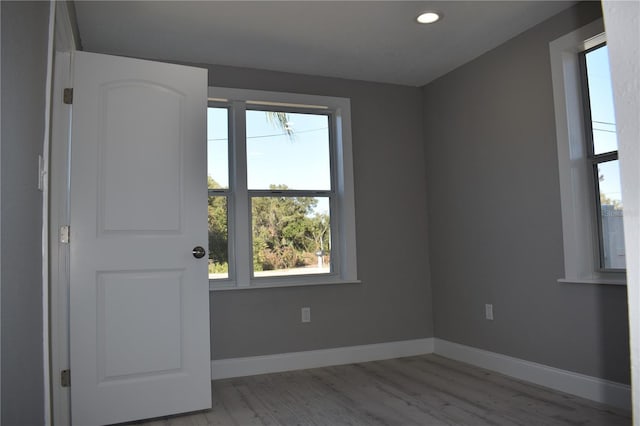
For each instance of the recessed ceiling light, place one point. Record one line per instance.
(428, 17)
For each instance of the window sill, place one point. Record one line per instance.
(598, 281)
(254, 286)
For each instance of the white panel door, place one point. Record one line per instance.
(139, 298)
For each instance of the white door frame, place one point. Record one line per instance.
(1, 220)
(623, 39)
(43, 185)
(58, 313)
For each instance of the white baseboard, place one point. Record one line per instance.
(599, 390)
(238, 367)
(593, 388)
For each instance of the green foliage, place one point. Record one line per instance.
(218, 231)
(285, 234)
(280, 120)
(604, 200)
(218, 268)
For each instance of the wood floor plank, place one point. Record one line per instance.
(588, 412)
(497, 406)
(316, 402)
(424, 390)
(459, 407)
(239, 408)
(219, 414)
(325, 397)
(433, 411)
(365, 397)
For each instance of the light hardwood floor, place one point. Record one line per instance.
(421, 390)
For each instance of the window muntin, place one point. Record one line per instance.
(602, 153)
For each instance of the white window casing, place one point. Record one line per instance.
(344, 268)
(579, 224)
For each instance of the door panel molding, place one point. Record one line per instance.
(138, 299)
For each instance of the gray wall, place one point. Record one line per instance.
(494, 220)
(394, 300)
(494, 214)
(24, 57)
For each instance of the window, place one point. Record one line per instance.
(218, 186)
(602, 151)
(281, 208)
(587, 159)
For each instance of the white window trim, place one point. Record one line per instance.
(578, 220)
(345, 265)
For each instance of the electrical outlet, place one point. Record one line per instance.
(306, 314)
(488, 311)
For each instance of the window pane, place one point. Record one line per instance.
(601, 101)
(218, 238)
(218, 147)
(612, 235)
(291, 235)
(288, 151)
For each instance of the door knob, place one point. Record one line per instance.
(198, 252)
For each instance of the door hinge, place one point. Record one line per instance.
(64, 234)
(42, 173)
(67, 96)
(65, 378)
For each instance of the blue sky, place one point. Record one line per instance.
(600, 92)
(603, 118)
(300, 162)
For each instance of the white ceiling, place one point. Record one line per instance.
(364, 40)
